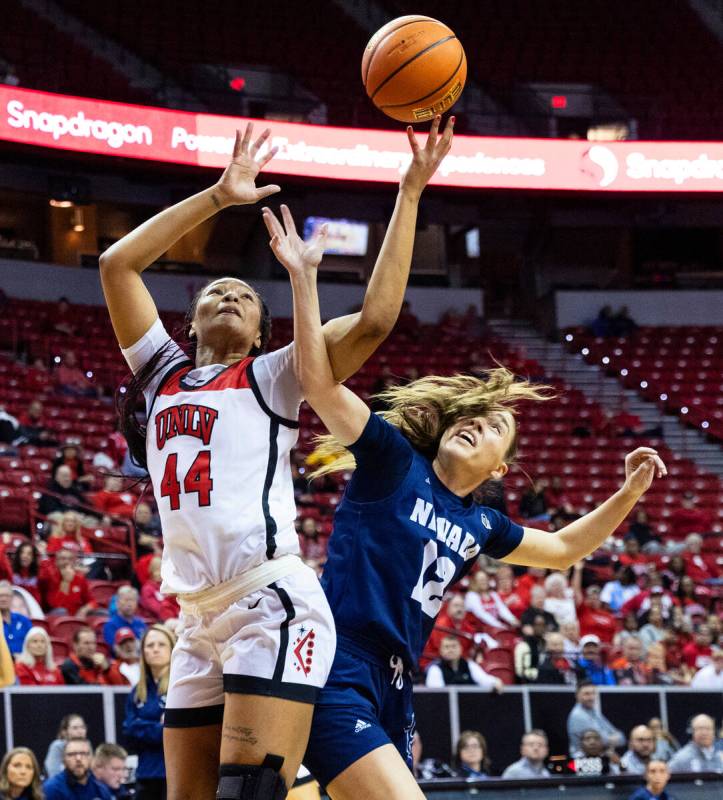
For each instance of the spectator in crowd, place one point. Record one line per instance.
(150, 598)
(35, 665)
(72, 726)
(559, 598)
(695, 565)
(655, 592)
(594, 757)
(470, 756)
(529, 651)
(534, 750)
(20, 775)
(555, 667)
(33, 426)
(37, 376)
(654, 629)
(656, 668)
(9, 427)
(453, 670)
(533, 503)
(698, 653)
(25, 568)
(632, 556)
(536, 608)
(313, 545)
(687, 518)
(70, 378)
(15, 626)
(592, 617)
(700, 754)
(109, 769)
(710, 677)
(689, 596)
(112, 500)
(641, 530)
(487, 605)
(148, 531)
(127, 655)
(591, 661)
(674, 571)
(63, 588)
(666, 745)
(6, 570)
(617, 592)
(61, 320)
(603, 325)
(511, 594)
(453, 619)
(630, 628)
(570, 631)
(629, 668)
(69, 534)
(64, 493)
(657, 776)
(143, 723)
(71, 456)
(125, 615)
(86, 665)
(585, 717)
(76, 781)
(623, 324)
(641, 746)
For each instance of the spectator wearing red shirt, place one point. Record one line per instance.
(37, 376)
(632, 557)
(535, 576)
(114, 502)
(85, 665)
(25, 570)
(698, 653)
(35, 665)
(695, 565)
(640, 604)
(688, 518)
(69, 535)
(70, 378)
(690, 594)
(594, 619)
(515, 598)
(151, 598)
(63, 588)
(6, 570)
(453, 619)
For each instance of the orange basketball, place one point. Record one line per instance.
(413, 68)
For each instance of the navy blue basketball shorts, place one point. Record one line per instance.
(364, 705)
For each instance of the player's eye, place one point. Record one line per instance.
(247, 296)
(214, 291)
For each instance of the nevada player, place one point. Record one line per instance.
(406, 529)
(256, 638)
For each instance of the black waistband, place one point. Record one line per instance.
(366, 649)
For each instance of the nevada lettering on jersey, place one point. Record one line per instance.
(186, 419)
(451, 535)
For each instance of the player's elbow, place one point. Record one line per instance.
(377, 324)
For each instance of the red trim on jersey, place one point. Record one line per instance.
(232, 377)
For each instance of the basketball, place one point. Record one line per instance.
(413, 68)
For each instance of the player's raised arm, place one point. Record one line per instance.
(131, 307)
(562, 549)
(352, 339)
(342, 412)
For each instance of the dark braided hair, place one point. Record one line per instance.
(129, 401)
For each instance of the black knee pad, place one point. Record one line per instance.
(252, 781)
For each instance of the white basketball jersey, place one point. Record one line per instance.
(218, 443)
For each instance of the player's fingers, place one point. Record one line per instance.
(446, 141)
(266, 191)
(288, 220)
(433, 131)
(257, 145)
(247, 138)
(660, 466)
(323, 235)
(413, 143)
(273, 225)
(264, 160)
(237, 145)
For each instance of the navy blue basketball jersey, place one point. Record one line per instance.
(401, 538)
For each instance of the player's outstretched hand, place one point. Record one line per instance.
(237, 185)
(290, 249)
(426, 160)
(641, 466)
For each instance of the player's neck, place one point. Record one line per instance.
(457, 483)
(208, 354)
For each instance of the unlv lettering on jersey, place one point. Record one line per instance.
(185, 420)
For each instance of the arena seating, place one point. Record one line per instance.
(678, 368)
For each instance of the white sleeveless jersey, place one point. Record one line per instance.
(218, 444)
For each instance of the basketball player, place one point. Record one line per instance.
(256, 638)
(406, 529)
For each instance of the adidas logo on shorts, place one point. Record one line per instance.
(361, 726)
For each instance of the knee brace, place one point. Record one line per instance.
(252, 781)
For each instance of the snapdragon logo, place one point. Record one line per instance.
(116, 134)
(677, 170)
(605, 159)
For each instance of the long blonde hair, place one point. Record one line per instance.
(425, 408)
(146, 675)
(36, 788)
(27, 658)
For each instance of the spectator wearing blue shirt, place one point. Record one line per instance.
(124, 615)
(591, 661)
(15, 626)
(76, 781)
(146, 705)
(585, 717)
(657, 776)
